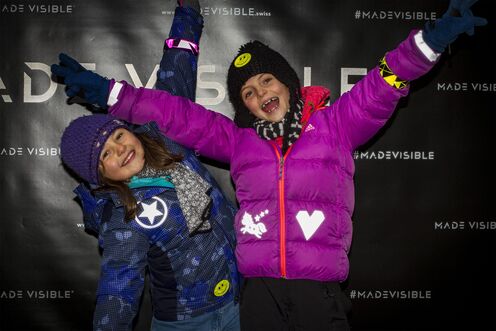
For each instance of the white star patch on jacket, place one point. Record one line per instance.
(147, 218)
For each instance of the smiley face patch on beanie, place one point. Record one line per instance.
(242, 60)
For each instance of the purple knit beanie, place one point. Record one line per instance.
(82, 143)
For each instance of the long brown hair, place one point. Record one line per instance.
(156, 156)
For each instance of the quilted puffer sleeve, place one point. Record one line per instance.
(191, 125)
(361, 112)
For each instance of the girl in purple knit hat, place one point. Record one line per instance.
(291, 160)
(156, 208)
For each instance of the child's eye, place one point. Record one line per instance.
(119, 135)
(248, 94)
(267, 80)
(105, 154)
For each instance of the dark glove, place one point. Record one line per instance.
(94, 87)
(458, 19)
(187, 24)
(195, 4)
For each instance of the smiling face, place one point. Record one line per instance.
(122, 156)
(266, 97)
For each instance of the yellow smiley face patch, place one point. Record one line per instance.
(242, 60)
(221, 288)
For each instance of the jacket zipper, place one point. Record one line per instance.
(282, 219)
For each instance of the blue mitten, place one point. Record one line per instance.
(94, 87)
(187, 24)
(195, 4)
(458, 19)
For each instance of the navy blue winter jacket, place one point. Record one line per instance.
(189, 274)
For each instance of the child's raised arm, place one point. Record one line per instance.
(191, 125)
(178, 67)
(361, 112)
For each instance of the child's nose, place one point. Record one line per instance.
(261, 91)
(120, 148)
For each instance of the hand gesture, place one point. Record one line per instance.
(458, 19)
(94, 87)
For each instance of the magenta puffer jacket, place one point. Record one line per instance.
(294, 219)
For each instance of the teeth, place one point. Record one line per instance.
(268, 101)
(129, 156)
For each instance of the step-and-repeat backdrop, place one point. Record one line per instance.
(423, 254)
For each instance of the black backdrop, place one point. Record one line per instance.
(423, 254)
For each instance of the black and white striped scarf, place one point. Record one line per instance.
(271, 130)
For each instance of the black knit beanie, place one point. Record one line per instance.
(254, 58)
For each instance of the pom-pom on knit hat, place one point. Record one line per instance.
(83, 141)
(254, 58)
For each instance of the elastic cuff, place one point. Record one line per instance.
(424, 48)
(182, 44)
(114, 94)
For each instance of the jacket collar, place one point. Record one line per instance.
(315, 98)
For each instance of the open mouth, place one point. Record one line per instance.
(270, 105)
(128, 158)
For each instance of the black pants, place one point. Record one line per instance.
(292, 305)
